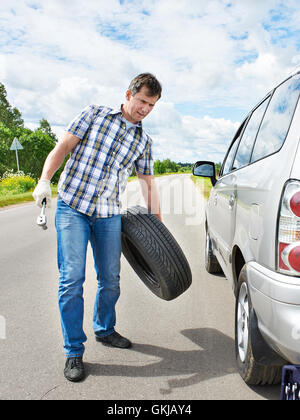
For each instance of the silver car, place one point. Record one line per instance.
(253, 232)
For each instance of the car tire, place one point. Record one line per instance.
(212, 265)
(154, 254)
(253, 373)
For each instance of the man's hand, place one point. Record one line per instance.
(41, 191)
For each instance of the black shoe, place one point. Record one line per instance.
(115, 340)
(74, 369)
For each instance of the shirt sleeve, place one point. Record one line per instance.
(144, 164)
(80, 124)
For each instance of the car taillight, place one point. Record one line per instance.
(295, 204)
(288, 248)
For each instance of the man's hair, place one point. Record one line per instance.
(148, 80)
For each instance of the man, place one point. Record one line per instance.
(104, 145)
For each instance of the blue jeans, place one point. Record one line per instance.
(74, 231)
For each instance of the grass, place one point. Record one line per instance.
(10, 199)
(203, 184)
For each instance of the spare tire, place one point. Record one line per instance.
(154, 254)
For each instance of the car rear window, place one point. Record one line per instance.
(277, 119)
(246, 144)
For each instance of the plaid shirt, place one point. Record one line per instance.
(99, 166)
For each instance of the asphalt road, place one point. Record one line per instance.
(182, 349)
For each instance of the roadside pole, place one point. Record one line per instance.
(16, 145)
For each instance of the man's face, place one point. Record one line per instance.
(137, 107)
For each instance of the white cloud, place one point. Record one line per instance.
(58, 56)
(186, 138)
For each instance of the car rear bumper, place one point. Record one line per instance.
(276, 301)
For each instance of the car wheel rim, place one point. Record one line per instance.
(243, 322)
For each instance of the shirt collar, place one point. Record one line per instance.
(119, 111)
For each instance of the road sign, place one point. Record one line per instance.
(16, 145)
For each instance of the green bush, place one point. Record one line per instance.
(16, 183)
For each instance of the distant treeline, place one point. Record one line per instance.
(167, 166)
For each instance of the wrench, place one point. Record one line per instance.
(42, 219)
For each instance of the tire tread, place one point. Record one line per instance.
(161, 247)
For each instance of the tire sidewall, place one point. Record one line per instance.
(160, 288)
(212, 265)
(207, 248)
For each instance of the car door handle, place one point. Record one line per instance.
(231, 201)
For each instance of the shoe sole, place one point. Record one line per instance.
(105, 343)
(75, 379)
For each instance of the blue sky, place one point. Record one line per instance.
(215, 59)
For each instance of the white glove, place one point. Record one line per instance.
(41, 191)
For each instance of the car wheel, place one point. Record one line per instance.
(252, 372)
(154, 254)
(212, 265)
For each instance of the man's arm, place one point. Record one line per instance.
(56, 157)
(150, 193)
(52, 163)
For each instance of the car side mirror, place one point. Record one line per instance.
(205, 169)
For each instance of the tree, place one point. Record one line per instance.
(170, 166)
(37, 145)
(6, 156)
(10, 117)
(218, 167)
(45, 127)
(159, 167)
